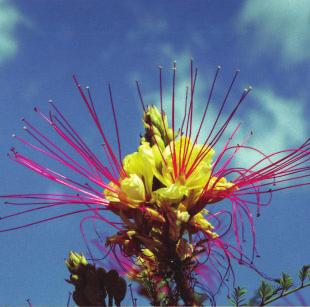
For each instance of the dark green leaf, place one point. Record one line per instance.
(286, 281)
(304, 273)
(238, 296)
(265, 290)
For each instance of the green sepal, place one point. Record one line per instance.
(304, 273)
(265, 290)
(285, 281)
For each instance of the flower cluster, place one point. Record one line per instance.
(161, 186)
(170, 229)
(157, 193)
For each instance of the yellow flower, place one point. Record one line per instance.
(142, 164)
(179, 157)
(133, 187)
(182, 169)
(174, 193)
(170, 174)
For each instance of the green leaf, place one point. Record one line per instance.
(286, 281)
(238, 296)
(265, 290)
(304, 273)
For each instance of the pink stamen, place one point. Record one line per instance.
(116, 126)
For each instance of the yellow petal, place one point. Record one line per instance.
(155, 214)
(141, 163)
(220, 184)
(111, 195)
(200, 221)
(172, 194)
(148, 253)
(133, 187)
(183, 216)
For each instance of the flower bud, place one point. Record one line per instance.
(156, 125)
(75, 261)
(148, 253)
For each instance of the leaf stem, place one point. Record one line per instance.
(286, 293)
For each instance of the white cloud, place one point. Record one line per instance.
(147, 26)
(9, 18)
(182, 81)
(277, 122)
(279, 26)
(285, 122)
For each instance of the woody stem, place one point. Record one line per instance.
(184, 288)
(180, 274)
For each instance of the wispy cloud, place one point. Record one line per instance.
(280, 121)
(9, 18)
(147, 26)
(278, 27)
(277, 122)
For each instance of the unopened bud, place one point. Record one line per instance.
(75, 261)
(156, 126)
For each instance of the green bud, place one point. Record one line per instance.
(153, 117)
(75, 261)
(156, 125)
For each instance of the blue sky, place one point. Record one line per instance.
(43, 42)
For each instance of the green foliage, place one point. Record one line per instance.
(267, 293)
(285, 282)
(238, 296)
(304, 273)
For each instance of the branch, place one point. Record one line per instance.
(268, 293)
(285, 293)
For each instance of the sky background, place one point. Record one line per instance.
(42, 43)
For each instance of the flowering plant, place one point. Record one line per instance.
(170, 235)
